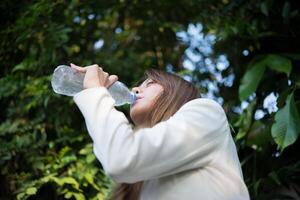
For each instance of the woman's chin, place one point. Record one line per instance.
(137, 114)
(137, 105)
(134, 110)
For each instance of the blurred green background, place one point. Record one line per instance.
(244, 54)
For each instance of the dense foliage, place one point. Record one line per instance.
(45, 151)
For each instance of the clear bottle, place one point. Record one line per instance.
(68, 81)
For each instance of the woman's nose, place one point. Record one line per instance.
(136, 90)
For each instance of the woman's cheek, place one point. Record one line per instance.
(141, 106)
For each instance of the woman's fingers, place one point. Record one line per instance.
(84, 69)
(111, 80)
(92, 78)
(95, 76)
(80, 69)
(94, 66)
(104, 78)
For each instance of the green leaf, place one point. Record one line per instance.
(26, 64)
(88, 149)
(282, 97)
(264, 8)
(259, 135)
(294, 56)
(71, 181)
(286, 128)
(20, 196)
(68, 195)
(286, 10)
(66, 180)
(79, 196)
(279, 63)
(257, 67)
(245, 121)
(256, 186)
(251, 80)
(90, 158)
(31, 190)
(275, 178)
(90, 179)
(241, 134)
(294, 13)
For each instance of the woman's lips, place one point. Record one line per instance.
(137, 99)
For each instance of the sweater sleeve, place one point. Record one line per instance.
(188, 140)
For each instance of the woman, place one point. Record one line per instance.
(180, 149)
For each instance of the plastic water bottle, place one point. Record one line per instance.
(68, 81)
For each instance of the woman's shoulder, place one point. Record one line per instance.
(202, 113)
(202, 103)
(201, 109)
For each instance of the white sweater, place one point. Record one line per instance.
(190, 156)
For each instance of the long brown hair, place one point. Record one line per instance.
(176, 92)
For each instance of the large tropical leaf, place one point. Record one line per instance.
(286, 128)
(278, 63)
(251, 80)
(253, 76)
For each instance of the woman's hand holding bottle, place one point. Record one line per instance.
(95, 76)
(71, 80)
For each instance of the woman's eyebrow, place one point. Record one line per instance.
(139, 82)
(148, 80)
(144, 82)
